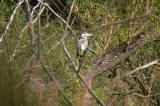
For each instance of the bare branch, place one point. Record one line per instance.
(63, 38)
(23, 30)
(109, 39)
(74, 65)
(116, 55)
(68, 26)
(39, 31)
(65, 35)
(51, 76)
(128, 20)
(69, 56)
(53, 79)
(11, 20)
(140, 68)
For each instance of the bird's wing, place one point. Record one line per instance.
(81, 41)
(81, 44)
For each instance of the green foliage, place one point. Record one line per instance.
(88, 15)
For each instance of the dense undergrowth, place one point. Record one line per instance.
(19, 81)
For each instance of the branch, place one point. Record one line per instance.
(69, 56)
(65, 35)
(11, 20)
(141, 67)
(74, 65)
(63, 38)
(115, 56)
(96, 69)
(128, 20)
(23, 30)
(68, 26)
(53, 79)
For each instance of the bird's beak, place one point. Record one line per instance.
(89, 34)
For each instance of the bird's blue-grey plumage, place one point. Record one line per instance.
(82, 43)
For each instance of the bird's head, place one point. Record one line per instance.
(85, 35)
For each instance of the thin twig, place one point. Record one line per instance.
(115, 23)
(109, 39)
(37, 66)
(39, 31)
(68, 26)
(148, 97)
(69, 56)
(63, 38)
(23, 30)
(85, 52)
(53, 79)
(75, 67)
(65, 35)
(11, 20)
(128, 20)
(135, 70)
(140, 68)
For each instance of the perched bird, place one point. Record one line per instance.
(82, 43)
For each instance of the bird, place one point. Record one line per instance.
(82, 44)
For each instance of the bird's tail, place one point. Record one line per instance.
(79, 56)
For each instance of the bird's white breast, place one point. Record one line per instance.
(84, 45)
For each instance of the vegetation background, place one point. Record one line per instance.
(49, 78)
